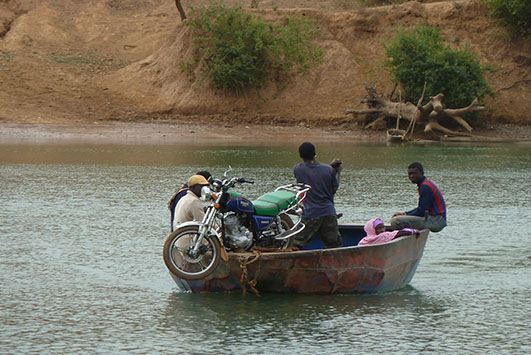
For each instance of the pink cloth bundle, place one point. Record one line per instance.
(372, 237)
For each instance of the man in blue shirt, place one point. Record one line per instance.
(319, 214)
(431, 210)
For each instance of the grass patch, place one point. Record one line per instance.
(241, 51)
(67, 59)
(7, 56)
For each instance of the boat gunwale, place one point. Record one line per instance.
(300, 253)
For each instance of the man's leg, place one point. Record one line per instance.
(415, 222)
(329, 232)
(311, 227)
(435, 223)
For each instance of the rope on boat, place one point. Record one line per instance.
(275, 250)
(244, 261)
(244, 279)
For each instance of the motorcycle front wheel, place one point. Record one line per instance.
(180, 260)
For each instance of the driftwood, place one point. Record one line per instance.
(380, 108)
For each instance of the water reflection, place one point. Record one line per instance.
(279, 319)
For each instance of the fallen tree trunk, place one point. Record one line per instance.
(429, 115)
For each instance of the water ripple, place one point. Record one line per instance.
(81, 270)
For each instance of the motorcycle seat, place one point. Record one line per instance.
(272, 203)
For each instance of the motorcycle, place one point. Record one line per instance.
(232, 222)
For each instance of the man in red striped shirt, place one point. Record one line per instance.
(431, 211)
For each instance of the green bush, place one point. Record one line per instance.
(516, 15)
(242, 51)
(420, 55)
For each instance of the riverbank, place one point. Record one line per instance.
(135, 65)
(165, 133)
(201, 132)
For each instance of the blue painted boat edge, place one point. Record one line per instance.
(351, 233)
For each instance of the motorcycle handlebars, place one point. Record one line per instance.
(225, 184)
(231, 182)
(244, 180)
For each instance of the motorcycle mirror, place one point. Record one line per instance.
(206, 194)
(226, 171)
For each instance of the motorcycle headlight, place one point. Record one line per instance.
(206, 194)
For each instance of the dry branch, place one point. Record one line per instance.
(180, 9)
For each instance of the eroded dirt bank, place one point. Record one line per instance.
(67, 62)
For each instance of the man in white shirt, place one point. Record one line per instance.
(190, 208)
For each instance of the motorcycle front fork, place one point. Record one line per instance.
(205, 225)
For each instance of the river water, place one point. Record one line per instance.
(82, 229)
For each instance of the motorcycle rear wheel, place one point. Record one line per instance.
(181, 263)
(286, 223)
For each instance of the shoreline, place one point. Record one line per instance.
(171, 133)
(222, 133)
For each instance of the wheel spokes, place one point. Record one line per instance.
(185, 262)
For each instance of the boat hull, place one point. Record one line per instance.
(350, 269)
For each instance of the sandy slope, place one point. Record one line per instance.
(78, 62)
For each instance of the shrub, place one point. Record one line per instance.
(242, 51)
(515, 14)
(420, 55)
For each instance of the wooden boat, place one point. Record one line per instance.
(316, 270)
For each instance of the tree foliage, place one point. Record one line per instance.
(242, 51)
(419, 55)
(515, 14)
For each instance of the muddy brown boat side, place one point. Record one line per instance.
(350, 269)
